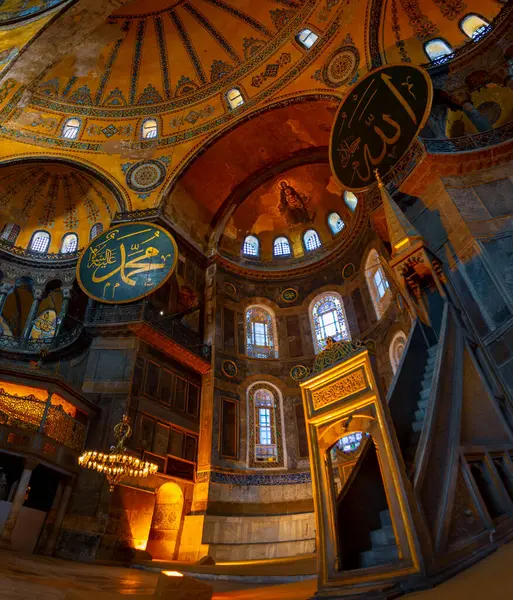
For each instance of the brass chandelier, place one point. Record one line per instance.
(117, 463)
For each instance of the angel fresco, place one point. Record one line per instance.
(293, 205)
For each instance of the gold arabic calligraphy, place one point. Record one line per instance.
(351, 144)
(103, 255)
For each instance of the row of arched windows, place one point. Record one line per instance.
(311, 240)
(327, 315)
(40, 240)
(472, 25)
(234, 99)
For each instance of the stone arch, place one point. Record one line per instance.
(166, 525)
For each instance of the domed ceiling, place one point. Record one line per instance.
(19, 10)
(268, 212)
(55, 198)
(169, 50)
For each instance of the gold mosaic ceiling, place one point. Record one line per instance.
(163, 51)
(53, 197)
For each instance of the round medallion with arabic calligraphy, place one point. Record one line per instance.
(377, 122)
(341, 66)
(127, 262)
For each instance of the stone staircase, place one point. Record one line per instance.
(420, 412)
(384, 547)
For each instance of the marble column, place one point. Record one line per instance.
(38, 295)
(66, 297)
(17, 503)
(61, 511)
(5, 290)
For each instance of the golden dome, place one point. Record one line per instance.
(55, 198)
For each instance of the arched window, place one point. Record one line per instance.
(69, 243)
(10, 232)
(307, 38)
(474, 25)
(251, 246)
(260, 333)
(396, 350)
(40, 241)
(437, 48)
(377, 283)
(70, 129)
(45, 325)
(234, 98)
(311, 240)
(96, 229)
(328, 319)
(281, 247)
(149, 129)
(265, 439)
(335, 222)
(351, 201)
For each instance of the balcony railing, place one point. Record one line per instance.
(39, 345)
(146, 313)
(466, 143)
(27, 412)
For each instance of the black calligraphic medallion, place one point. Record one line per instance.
(377, 122)
(127, 262)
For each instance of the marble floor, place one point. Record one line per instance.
(42, 578)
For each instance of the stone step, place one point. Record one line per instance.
(428, 371)
(420, 414)
(432, 350)
(385, 519)
(417, 425)
(423, 403)
(383, 537)
(424, 393)
(378, 556)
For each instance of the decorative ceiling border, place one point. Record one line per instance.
(236, 74)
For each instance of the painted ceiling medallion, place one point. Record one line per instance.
(145, 176)
(341, 67)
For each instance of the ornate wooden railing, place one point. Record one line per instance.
(28, 412)
(144, 312)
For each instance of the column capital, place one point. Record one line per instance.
(38, 293)
(30, 463)
(66, 292)
(6, 287)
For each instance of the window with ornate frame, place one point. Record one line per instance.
(335, 223)
(328, 319)
(71, 128)
(307, 38)
(396, 350)
(251, 246)
(261, 338)
(265, 416)
(149, 129)
(377, 283)
(311, 240)
(473, 25)
(437, 48)
(96, 229)
(40, 241)
(234, 98)
(10, 232)
(69, 243)
(281, 247)
(351, 201)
